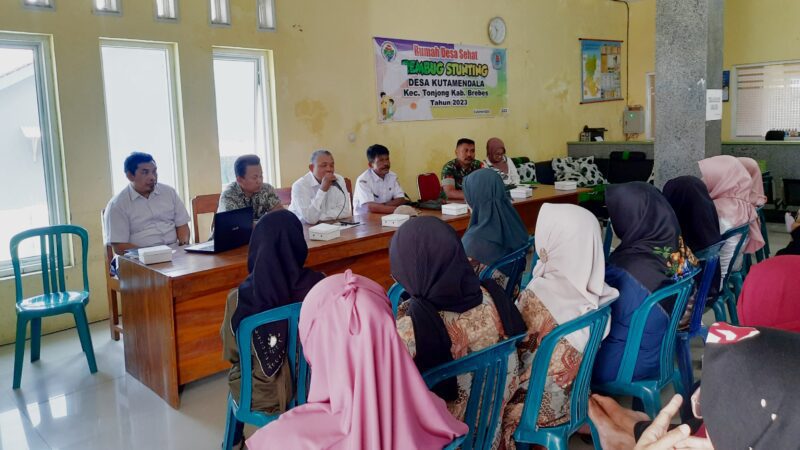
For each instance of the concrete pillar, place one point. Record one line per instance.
(689, 40)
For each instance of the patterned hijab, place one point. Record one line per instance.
(495, 228)
(729, 185)
(276, 278)
(749, 397)
(365, 392)
(427, 259)
(569, 277)
(651, 250)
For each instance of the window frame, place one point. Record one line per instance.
(52, 156)
(734, 94)
(50, 7)
(224, 4)
(107, 12)
(271, 5)
(179, 158)
(167, 19)
(267, 92)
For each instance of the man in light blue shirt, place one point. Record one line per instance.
(145, 213)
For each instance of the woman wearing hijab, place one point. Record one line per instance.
(769, 294)
(450, 312)
(276, 278)
(495, 228)
(793, 227)
(365, 392)
(759, 365)
(651, 254)
(699, 222)
(730, 186)
(568, 283)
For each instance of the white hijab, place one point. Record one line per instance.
(569, 278)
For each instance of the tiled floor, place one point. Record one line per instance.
(61, 406)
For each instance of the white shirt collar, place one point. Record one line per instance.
(134, 195)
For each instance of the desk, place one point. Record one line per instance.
(173, 311)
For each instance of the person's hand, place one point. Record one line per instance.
(327, 181)
(656, 436)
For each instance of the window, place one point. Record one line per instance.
(107, 6)
(244, 122)
(45, 4)
(266, 14)
(31, 192)
(141, 107)
(767, 97)
(167, 10)
(220, 12)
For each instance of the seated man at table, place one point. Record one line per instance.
(454, 171)
(249, 189)
(146, 212)
(496, 160)
(377, 189)
(320, 194)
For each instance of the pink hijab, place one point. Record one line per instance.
(365, 390)
(729, 186)
(757, 197)
(769, 294)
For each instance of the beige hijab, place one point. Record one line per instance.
(569, 278)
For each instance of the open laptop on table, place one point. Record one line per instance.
(232, 229)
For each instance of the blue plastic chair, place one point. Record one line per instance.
(489, 368)
(732, 282)
(710, 261)
(55, 298)
(648, 391)
(395, 294)
(528, 276)
(512, 265)
(241, 413)
(557, 438)
(607, 239)
(763, 252)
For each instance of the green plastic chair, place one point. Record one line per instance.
(241, 413)
(55, 298)
(648, 391)
(489, 368)
(557, 438)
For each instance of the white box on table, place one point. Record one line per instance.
(566, 185)
(521, 192)
(156, 254)
(323, 232)
(394, 220)
(454, 209)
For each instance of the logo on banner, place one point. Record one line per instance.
(389, 51)
(497, 60)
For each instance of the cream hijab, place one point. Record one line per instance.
(569, 278)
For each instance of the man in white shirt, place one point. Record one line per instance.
(320, 194)
(497, 160)
(377, 189)
(145, 213)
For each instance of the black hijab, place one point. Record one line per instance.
(695, 210)
(749, 397)
(645, 223)
(428, 260)
(276, 278)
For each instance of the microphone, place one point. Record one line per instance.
(336, 183)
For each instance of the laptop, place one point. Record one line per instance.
(232, 229)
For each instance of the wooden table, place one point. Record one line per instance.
(173, 311)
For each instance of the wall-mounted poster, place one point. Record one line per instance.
(420, 80)
(601, 62)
